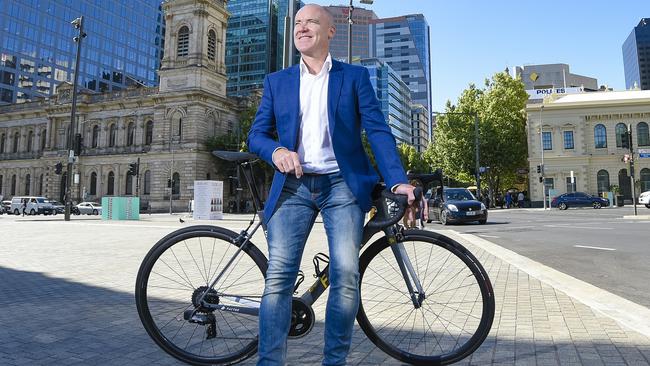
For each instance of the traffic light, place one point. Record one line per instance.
(539, 169)
(541, 179)
(78, 144)
(58, 168)
(625, 140)
(133, 169)
(169, 183)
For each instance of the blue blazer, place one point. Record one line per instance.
(352, 107)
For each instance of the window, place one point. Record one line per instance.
(129, 184)
(112, 135)
(177, 124)
(2, 143)
(182, 49)
(43, 139)
(571, 185)
(13, 185)
(602, 181)
(130, 134)
(110, 187)
(644, 178)
(176, 184)
(642, 137)
(40, 184)
(547, 140)
(600, 136)
(621, 129)
(30, 138)
(212, 45)
(16, 137)
(568, 140)
(148, 133)
(93, 184)
(549, 183)
(28, 183)
(147, 182)
(95, 138)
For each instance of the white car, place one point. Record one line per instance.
(89, 208)
(644, 199)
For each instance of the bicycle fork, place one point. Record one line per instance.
(411, 278)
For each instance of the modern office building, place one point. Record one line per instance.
(394, 97)
(256, 41)
(360, 33)
(582, 137)
(420, 127)
(636, 56)
(550, 76)
(124, 45)
(403, 43)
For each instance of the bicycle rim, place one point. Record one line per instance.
(456, 315)
(176, 272)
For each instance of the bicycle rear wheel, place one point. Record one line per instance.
(455, 316)
(174, 275)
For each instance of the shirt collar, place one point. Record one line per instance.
(327, 66)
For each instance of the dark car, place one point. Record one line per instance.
(54, 207)
(578, 199)
(456, 205)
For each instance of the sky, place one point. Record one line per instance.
(473, 39)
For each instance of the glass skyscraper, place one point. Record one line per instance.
(360, 44)
(636, 56)
(123, 46)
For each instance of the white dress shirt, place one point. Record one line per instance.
(315, 149)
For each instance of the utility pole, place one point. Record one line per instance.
(478, 163)
(629, 137)
(78, 24)
(541, 146)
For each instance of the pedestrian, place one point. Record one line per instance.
(508, 199)
(24, 206)
(317, 110)
(520, 199)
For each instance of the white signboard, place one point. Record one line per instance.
(208, 200)
(644, 153)
(541, 93)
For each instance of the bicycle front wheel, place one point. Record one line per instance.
(177, 273)
(454, 312)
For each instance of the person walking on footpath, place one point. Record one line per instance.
(520, 200)
(508, 199)
(24, 206)
(308, 127)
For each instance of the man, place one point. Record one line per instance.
(317, 110)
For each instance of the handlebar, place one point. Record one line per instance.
(402, 204)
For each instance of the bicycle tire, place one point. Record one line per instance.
(164, 290)
(438, 319)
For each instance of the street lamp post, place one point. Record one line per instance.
(541, 145)
(79, 25)
(350, 22)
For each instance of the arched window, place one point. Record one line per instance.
(176, 184)
(43, 139)
(40, 185)
(600, 136)
(1, 179)
(148, 136)
(602, 179)
(93, 184)
(30, 138)
(13, 185)
(16, 138)
(110, 187)
(147, 182)
(28, 184)
(95, 138)
(624, 184)
(129, 184)
(177, 124)
(112, 135)
(642, 137)
(645, 179)
(212, 45)
(183, 47)
(130, 134)
(621, 129)
(2, 143)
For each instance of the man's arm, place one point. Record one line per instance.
(261, 138)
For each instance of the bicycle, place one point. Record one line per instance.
(199, 288)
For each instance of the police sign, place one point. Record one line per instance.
(541, 93)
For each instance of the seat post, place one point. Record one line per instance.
(247, 170)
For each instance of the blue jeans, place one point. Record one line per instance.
(288, 229)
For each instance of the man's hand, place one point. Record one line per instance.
(414, 206)
(287, 162)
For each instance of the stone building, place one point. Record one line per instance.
(166, 127)
(583, 134)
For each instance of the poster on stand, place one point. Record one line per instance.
(208, 200)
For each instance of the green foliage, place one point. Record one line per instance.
(411, 159)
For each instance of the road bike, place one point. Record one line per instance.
(424, 298)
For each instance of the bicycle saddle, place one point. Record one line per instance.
(234, 156)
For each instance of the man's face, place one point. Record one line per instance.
(312, 31)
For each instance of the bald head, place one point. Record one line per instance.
(324, 15)
(313, 31)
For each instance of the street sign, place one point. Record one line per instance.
(644, 153)
(522, 171)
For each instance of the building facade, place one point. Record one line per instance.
(583, 134)
(551, 76)
(166, 127)
(636, 56)
(360, 33)
(124, 45)
(420, 127)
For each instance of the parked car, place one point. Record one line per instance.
(644, 199)
(54, 207)
(89, 208)
(5, 207)
(456, 205)
(32, 205)
(578, 199)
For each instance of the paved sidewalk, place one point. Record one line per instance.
(66, 298)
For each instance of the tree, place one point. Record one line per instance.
(502, 135)
(411, 159)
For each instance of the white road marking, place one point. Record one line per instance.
(488, 236)
(589, 247)
(580, 227)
